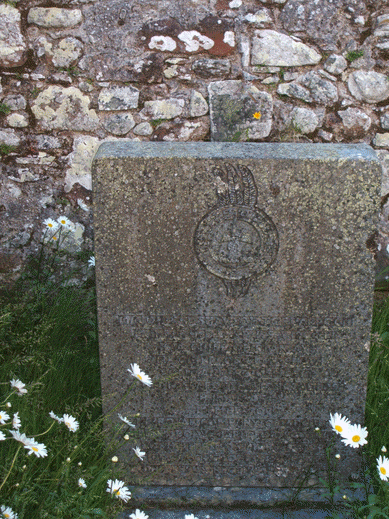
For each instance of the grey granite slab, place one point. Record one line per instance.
(239, 277)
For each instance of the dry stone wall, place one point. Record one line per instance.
(77, 72)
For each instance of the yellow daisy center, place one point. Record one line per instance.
(382, 470)
(257, 115)
(55, 238)
(338, 428)
(6, 515)
(140, 377)
(356, 438)
(116, 492)
(35, 449)
(50, 225)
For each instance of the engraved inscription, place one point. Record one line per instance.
(236, 241)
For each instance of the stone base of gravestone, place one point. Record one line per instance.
(238, 277)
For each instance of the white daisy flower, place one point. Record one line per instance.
(51, 224)
(19, 386)
(8, 513)
(137, 373)
(21, 437)
(39, 449)
(55, 417)
(81, 483)
(2, 436)
(3, 417)
(64, 222)
(125, 420)
(70, 422)
(139, 453)
(383, 467)
(91, 262)
(16, 423)
(354, 436)
(190, 516)
(117, 488)
(339, 422)
(138, 515)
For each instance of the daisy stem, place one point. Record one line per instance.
(41, 434)
(41, 256)
(6, 400)
(100, 420)
(11, 467)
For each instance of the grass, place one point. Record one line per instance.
(48, 339)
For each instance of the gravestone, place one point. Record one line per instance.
(239, 278)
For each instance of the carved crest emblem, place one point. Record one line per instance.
(235, 240)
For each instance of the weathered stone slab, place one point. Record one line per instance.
(238, 278)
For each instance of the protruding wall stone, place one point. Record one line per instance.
(198, 105)
(118, 98)
(276, 49)
(54, 17)
(165, 109)
(80, 160)
(369, 86)
(304, 120)
(68, 51)
(9, 137)
(13, 48)
(118, 124)
(335, 64)
(59, 108)
(232, 108)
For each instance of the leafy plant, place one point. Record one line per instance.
(4, 109)
(353, 55)
(5, 149)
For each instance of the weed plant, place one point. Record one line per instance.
(50, 393)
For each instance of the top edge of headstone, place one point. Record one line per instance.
(228, 150)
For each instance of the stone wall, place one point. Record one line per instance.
(75, 73)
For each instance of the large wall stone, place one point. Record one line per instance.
(13, 48)
(59, 108)
(276, 49)
(54, 17)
